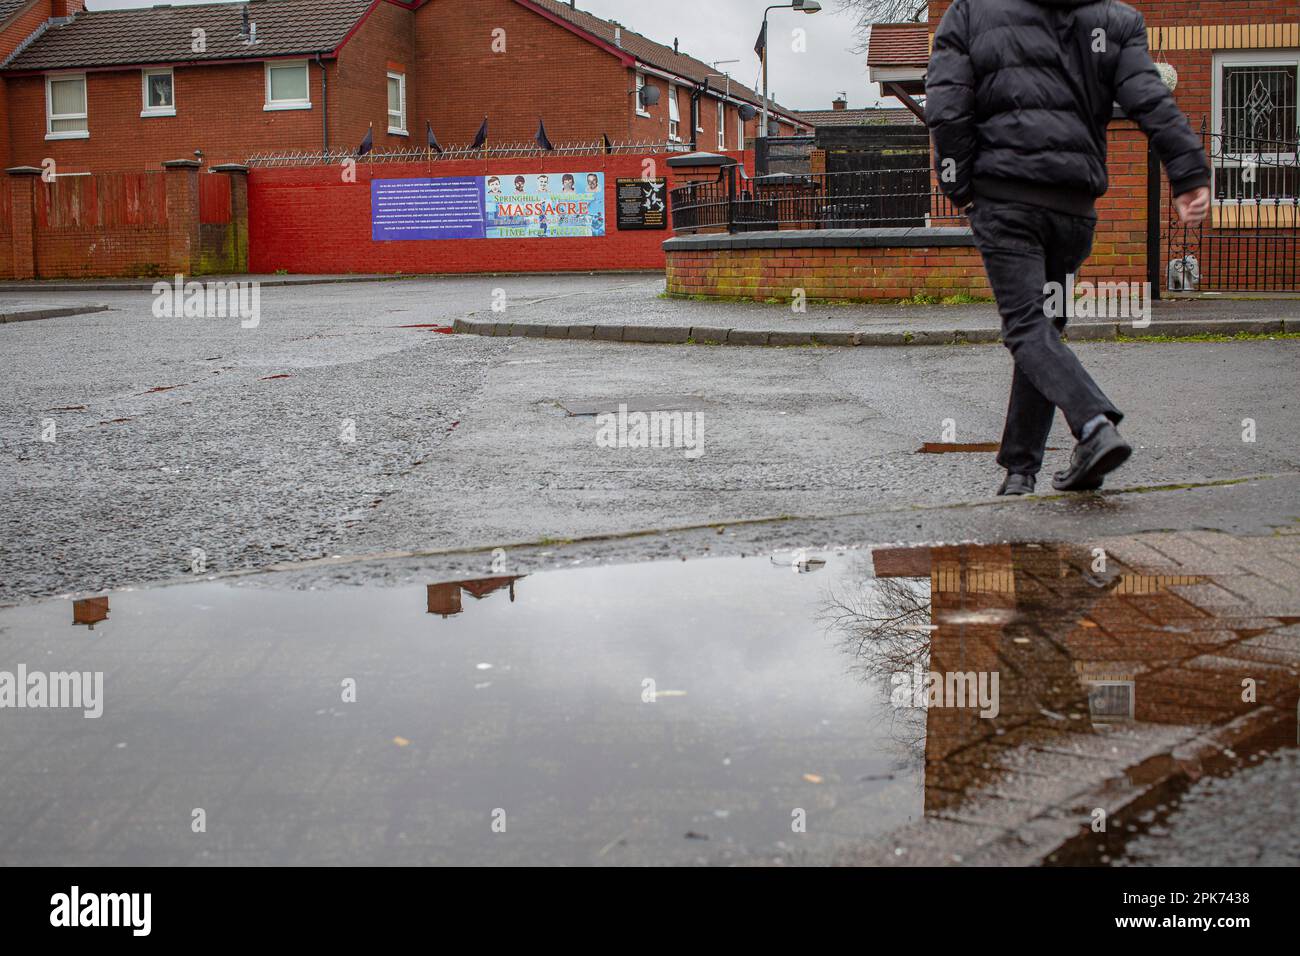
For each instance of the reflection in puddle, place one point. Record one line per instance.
(673, 712)
(444, 599)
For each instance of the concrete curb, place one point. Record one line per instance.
(712, 335)
(32, 314)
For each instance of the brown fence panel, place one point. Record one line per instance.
(214, 199)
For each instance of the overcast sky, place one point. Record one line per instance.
(713, 30)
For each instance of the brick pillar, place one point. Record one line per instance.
(22, 219)
(182, 214)
(704, 168)
(238, 174)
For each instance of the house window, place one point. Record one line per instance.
(640, 85)
(674, 116)
(65, 107)
(722, 125)
(397, 103)
(159, 93)
(287, 87)
(740, 132)
(1257, 124)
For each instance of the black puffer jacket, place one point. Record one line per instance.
(1019, 93)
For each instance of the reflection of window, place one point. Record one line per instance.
(159, 93)
(397, 103)
(1110, 700)
(286, 86)
(1257, 122)
(65, 107)
(674, 115)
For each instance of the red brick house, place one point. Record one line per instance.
(123, 89)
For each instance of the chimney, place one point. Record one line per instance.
(618, 37)
(675, 49)
(243, 23)
(839, 104)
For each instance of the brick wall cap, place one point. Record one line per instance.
(23, 171)
(913, 237)
(181, 164)
(230, 168)
(702, 159)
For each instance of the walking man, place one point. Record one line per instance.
(1018, 96)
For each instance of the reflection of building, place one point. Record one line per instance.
(444, 599)
(90, 611)
(1077, 653)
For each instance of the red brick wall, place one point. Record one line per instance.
(858, 274)
(307, 220)
(358, 91)
(579, 89)
(218, 110)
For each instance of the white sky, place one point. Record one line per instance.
(713, 30)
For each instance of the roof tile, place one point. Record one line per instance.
(163, 34)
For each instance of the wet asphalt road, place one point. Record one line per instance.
(347, 424)
(183, 440)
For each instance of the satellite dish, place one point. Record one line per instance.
(649, 95)
(747, 112)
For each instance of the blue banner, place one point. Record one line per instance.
(450, 208)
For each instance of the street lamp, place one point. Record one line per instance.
(803, 6)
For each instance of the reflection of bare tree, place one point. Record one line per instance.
(882, 624)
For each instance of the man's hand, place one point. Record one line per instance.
(1193, 206)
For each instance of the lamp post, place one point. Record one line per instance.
(803, 6)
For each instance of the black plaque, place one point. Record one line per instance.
(642, 204)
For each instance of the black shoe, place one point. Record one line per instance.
(1017, 485)
(1093, 460)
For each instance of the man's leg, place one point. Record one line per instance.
(1013, 240)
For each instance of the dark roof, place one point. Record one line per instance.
(874, 116)
(162, 34)
(898, 44)
(651, 53)
(9, 7)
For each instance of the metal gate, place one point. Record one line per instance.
(1251, 240)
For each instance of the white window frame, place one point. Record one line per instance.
(640, 85)
(270, 105)
(145, 108)
(1225, 60)
(722, 125)
(740, 131)
(49, 108)
(674, 125)
(400, 129)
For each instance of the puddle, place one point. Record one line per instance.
(671, 712)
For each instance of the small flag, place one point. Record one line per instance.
(542, 139)
(481, 139)
(368, 143)
(761, 46)
(609, 147)
(433, 140)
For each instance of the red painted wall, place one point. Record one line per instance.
(307, 220)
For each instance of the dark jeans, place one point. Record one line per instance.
(1025, 247)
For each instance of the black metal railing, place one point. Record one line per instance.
(1251, 240)
(850, 200)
